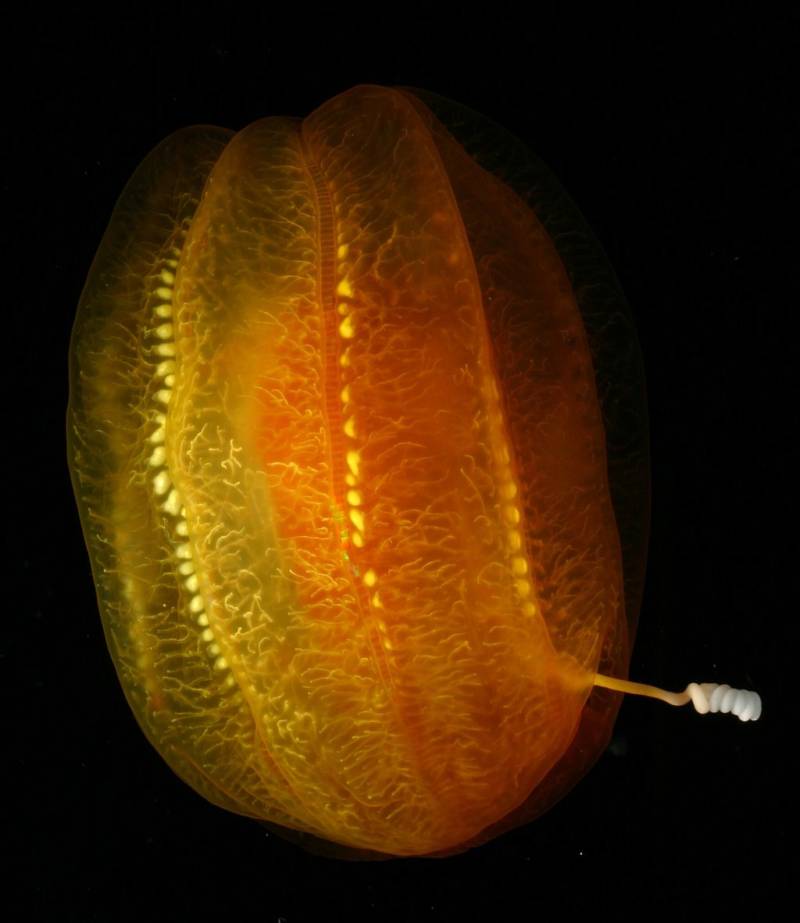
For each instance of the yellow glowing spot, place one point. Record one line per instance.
(345, 395)
(344, 308)
(165, 293)
(519, 567)
(220, 664)
(376, 601)
(182, 528)
(342, 251)
(191, 583)
(167, 276)
(202, 620)
(184, 552)
(229, 681)
(165, 368)
(158, 456)
(358, 540)
(346, 328)
(186, 567)
(165, 349)
(127, 589)
(158, 435)
(354, 497)
(161, 483)
(350, 427)
(523, 587)
(508, 491)
(164, 395)
(344, 289)
(169, 381)
(357, 518)
(514, 540)
(387, 644)
(370, 578)
(344, 359)
(172, 263)
(529, 608)
(512, 514)
(213, 649)
(353, 461)
(164, 332)
(164, 310)
(207, 635)
(196, 604)
(350, 480)
(172, 504)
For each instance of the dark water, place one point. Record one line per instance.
(675, 139)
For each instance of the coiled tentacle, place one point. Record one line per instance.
(706, 697)
(713, 697)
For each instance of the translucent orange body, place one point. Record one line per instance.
(341, 465)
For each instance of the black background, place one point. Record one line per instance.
(675, 136)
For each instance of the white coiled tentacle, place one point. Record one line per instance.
(706, 697)
(712, 697)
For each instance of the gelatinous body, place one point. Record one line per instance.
(341, 464)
